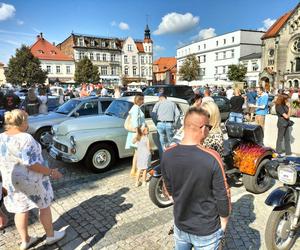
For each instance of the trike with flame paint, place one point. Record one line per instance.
(244, 155)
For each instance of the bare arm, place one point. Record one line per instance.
(54, 173)
(224, 221)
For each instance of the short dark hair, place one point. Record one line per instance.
(198, 111)
(261, 88)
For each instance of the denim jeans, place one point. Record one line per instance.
(166, 132)
(185, 241)
(235, 117)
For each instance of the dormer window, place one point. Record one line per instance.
(92, 43)
(80, 42)
(53, 52)
(40, 51)
(103, 44)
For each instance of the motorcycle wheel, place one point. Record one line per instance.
(260, 182)
(278, 229)
(156, 193)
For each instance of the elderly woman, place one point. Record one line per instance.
(25, 178)
(215, 139)
(137, 121)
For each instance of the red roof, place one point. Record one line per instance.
(165, 63)
(276, 27)
(140, 46)
(44, 50)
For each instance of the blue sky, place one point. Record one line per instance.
(172, 22)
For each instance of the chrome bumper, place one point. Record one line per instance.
(57, 155)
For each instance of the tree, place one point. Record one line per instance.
(236, 72)
(189, 71)
(24, 68)
(86, 72)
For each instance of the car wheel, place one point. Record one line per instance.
(100, 157)
(44, 137)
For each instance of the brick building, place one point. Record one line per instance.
(164, 70)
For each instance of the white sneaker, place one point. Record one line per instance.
(26, 245)
(57, 235)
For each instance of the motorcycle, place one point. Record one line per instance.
(244, 155)
(284, 221)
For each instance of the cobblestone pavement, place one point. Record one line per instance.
(106, 211)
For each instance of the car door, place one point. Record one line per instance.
(89, 107)
(104, 105)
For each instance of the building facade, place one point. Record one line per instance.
(253, 64)
(164, 70)
(60, 67)
(217, 53)
(117, 59)
(2, 76)
(281, 52)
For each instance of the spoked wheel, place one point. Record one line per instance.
(277, 232)
(44, 137)
(157, 193)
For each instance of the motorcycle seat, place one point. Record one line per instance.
(230, 144)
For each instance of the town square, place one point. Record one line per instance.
(150, 125)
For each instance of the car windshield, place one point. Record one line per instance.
(151, 91)
(67, 107)
(119, 108)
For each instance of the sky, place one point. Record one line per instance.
(172, 22)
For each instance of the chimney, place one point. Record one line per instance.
(38, 37)
(53, 43)
(41, 35)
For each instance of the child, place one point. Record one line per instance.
(143, 154)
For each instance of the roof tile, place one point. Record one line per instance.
(165, 63)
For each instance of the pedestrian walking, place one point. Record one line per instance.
(32, 102)
(195, 179)
(43, 108)
(229, 92)
(61, 98)
(143, 154)
(236, 107)
(165, 115)
(25, 178)
(214, 139)
(135, 120)
(251, 101)
(283, 112)
(261, 106)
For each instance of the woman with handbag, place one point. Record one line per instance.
(134, 120)
(283, 111)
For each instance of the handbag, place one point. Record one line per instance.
(290, 123)
(127, 124)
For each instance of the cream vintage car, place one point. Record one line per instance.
(100, 140)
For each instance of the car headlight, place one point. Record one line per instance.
(287, 174)
(72, 141)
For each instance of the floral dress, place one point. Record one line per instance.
(26, 189)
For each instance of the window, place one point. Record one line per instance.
(146, 71)
(142, 60)
(232, 53)
(150, 71)
(202, 71)
(204, 46)
(126, 71)
(92, 43)
(134, 59)
(150, 59)
(113, 70)
(254, 66)
(48, 69)
(88, 108)
(113, 57)
(103, 44)
(199, 47)
(81, 55)
(217, 57)
(104, 57)
(58, 69)
(232, 39)
(199, 59)
(224, 54)
(92, 56)
(224, 69)
(142, 71)
(125, 59)
(216, 70)
(224, 41)
(297, 64)
(129, 47)
(80, 42)
(104, 105)
(98, 56)
(68, 69)
(204, 58)
(217, 43)
(134, 71)
(104, 70)
(147, 110)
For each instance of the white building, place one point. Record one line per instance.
(253, 64)
(60, 67)
(217, 53)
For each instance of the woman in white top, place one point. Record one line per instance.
(43, 108)
(61, 97)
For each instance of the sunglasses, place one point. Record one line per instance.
(209, 127)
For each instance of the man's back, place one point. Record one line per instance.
(195, 177)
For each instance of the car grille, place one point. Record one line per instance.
(60, 147)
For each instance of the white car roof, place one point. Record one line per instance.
(152, 99)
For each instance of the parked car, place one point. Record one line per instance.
(99, 140)
(40, 125)
(55, 90)
(224, 106)
(130, 93)
(179, 91)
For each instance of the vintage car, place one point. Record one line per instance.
(40, 125)
(99, 140)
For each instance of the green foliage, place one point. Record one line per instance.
(86, 72)
(24, 68)
(189, 71)
(236, 72)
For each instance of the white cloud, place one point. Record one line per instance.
(10, 42)
(20, 22)
(6, 11)
(175, 23)
(158, 48)
(113, 23)
(267, 24)
(206, 33)
(123, 26)
(15, 33)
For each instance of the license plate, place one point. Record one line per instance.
(52, 154)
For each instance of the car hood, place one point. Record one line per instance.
(45, 117)
(88, 123)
